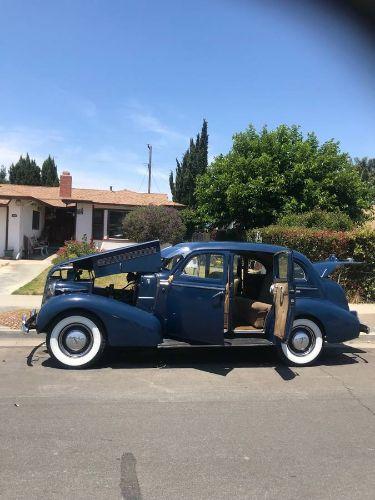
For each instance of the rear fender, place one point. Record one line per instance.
(338, 324)
(125, 325)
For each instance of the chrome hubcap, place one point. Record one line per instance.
(300, 341)
(75, 340)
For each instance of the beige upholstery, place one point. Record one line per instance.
(250, 312)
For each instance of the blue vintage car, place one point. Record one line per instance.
(207, 293)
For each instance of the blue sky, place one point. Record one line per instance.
(92, 82)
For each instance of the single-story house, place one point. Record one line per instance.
(57, 214)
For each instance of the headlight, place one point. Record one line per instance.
(50, 290)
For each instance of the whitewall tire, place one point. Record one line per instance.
(305, 343)
(76, 341)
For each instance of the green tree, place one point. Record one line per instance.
(270, 173)
(366, 167)
(3, 175)
(194, 163)
(49, 175)
(153, 222)
(25, 171)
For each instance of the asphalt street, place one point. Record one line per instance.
(189, 424)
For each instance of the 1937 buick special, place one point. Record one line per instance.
(210, 293)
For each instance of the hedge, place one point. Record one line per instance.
(358, 281)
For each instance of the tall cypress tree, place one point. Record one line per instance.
(25, 171)
(49, 175)
(194, 163)
(3, 175)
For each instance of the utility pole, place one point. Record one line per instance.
(149, 166)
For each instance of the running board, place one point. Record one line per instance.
(245, 342)
(240, 342)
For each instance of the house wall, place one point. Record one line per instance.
(3, 222)
(27, 219)
(84, 221)
(20, 223)
(14, 226)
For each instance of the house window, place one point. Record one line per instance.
(98, 223)
(36, 220)
(115, 218)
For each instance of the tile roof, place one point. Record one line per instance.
(50, 196)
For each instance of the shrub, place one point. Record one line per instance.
(318, 219)
(152, 222)
(73, 249)
(192, 221)
(358, 280)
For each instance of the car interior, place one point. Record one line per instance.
(252, 300)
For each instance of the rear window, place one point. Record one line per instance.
(298, 272)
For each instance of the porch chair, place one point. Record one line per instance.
(34, 245)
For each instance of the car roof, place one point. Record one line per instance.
(231, 246)
(234, 246)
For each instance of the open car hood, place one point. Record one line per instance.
(140, 258)
(327, 267)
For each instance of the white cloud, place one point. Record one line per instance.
(98, 168)
(18, 141)
(148, 122)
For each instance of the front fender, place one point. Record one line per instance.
(125, 325)
(339, 324)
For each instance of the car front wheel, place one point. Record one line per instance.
(305, 343)
(76, 341)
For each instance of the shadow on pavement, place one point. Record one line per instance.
(216, 360)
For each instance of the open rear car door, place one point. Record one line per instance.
(283, 294)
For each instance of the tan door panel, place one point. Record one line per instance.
(281, 301)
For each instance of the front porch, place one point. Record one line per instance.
(34, 230)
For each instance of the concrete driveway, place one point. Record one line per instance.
(188, 424)
(16, 273)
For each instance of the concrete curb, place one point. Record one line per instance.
(14, 338)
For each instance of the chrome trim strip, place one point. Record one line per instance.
(196, 285)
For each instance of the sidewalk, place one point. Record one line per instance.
(12, 302)
(16, 273)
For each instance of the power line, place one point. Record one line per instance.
(149, 167)
(157, 185)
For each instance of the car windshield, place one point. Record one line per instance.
(170, 262)
(170, 256)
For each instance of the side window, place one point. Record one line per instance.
(282, 266)
(205, 265)
(298, 272)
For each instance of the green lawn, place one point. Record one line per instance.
(36, 286)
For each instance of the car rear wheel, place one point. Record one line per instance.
(305, 343)
(76, 341)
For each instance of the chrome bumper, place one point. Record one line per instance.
(364, 328)
(29, 323)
